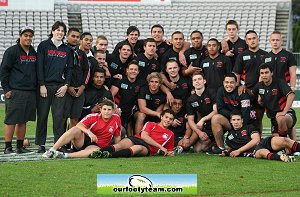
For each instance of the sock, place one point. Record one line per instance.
(122, 153)
(295, 147)
(8, 145)
(65, 155)
(20, 144)
(222, 148)
(52, 149)
(108, 148)
(273, 156)
(282, 133)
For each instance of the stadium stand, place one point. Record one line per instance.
(112, 20)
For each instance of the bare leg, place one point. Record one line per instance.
(139, 150)
(219, 123)
(20, 131)
(201, 146)
(123, 144)
(9, 132)
(139, 121)
(74, 135)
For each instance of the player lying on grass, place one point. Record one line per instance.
(93, 131)
(154, 137)
(245, 141)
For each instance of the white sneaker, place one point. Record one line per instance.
(296, 154)
(177, 150)
(48, 154)
(286, 158)
(59, 155)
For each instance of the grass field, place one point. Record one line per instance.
(217, 176)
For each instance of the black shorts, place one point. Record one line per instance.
(274, 125)
(21, 107)
(126, 117)
(265, 143)
(207, 129)
(73, 106)
(87, 142)
(139, 141)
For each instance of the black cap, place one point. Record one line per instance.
(26, 29)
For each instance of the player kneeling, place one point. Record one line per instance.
(154, 137)
(245, 141)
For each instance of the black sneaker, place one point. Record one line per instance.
(215, 151)
(8, 150)
(41, 149)
(22, 150)
(63, 149)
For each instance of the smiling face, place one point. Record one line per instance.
(229, 84)
(166, 120)
(177, 41)
(133, 37)
(59, 33)
(125, 51)
(86, 43)
(198, 81)
(26, 39)
(106, 112)
(132, 71)
(172, 69)
(157, 34)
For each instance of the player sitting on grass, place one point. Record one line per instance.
(93, 131)
(245, 141)
(154, 137)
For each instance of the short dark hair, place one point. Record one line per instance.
(214, 39)
(177, 32)
(250, 32)
(73, 29)
(232, 22)
(108, 103)
(265, 66)
(85, 34)
(99, 51)
(196, 31)
(99, 70)
(101, 37)
(231, 75)
(131, 29)
(236, 113)
(56, 25)
(133, 62)
(149, 40)
(198, 73)
(158, 26)
(167, 111)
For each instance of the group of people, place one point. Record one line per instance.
(149, 96)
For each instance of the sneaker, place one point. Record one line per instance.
(63, 149)
(296, 153)
(8, 150)
(41, 149)
(216, 151)
(22, 150)
(96, 154)
(177, 150)
(48, 154)
(59, 155)
(105, 154)
(286, 158)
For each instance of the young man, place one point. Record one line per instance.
(233, 45)
(93, 131)
(80, 78)
(215, 66)
(101, 44)
(95, 93)
(282, 62)
(100, 56)
(125, 91)
(55, 62)
(133, 34)
(201, 107)
(227, 101)
(278, 98)
(154, 138)
(194, 55)
(247, 69)
(243, 141)
(146, 60)
(157, 33)
(151, 101)
(19, 82)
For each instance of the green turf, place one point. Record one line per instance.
(32, 125)
(217, 176)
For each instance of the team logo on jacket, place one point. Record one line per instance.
(240, 49)
(195, 104)
(161, 50)
(219, 64)
(124, 86)
(165, 136)
(137, 89)
(141, 64)
(246, 57)
(157, 101)
(207, 100)
(245, 103)
(282, 59)
(274, 92)
(57, 53)
(111, 129)
(184, 86)
(244, 132)
(153, 66)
